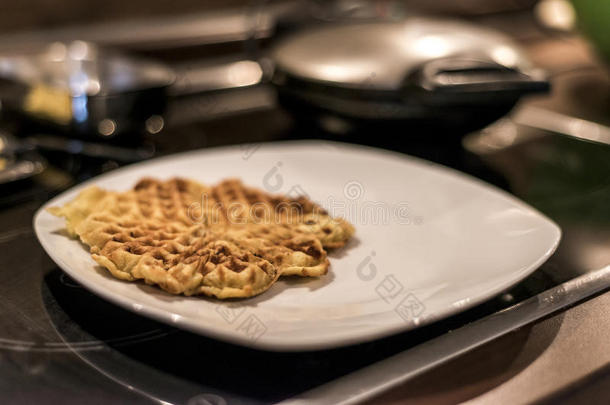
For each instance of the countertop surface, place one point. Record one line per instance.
(59, 343)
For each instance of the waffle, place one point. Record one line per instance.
(232, 203)
(192, 239)
(192, 261)
(293, 253)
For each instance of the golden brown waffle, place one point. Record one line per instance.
(192, 239)
(184, 262)
(293, 252)
(232, 203)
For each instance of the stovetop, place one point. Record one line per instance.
(61, 343)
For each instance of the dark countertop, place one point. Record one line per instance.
(563, 357)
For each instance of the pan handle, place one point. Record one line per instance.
(468, 79)
(226, 75)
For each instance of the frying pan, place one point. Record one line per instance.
(441, 72)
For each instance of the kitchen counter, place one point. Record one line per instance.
(59, 343)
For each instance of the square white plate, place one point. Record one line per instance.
(429, 242)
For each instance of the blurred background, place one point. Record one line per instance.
(37, 14)
(514, 92)
(86, 87)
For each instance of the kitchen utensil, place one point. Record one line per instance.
(84, 89)
(443, 71)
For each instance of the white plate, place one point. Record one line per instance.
(429, 242)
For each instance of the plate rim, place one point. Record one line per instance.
(276, 344)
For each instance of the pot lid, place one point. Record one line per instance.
(379, 55)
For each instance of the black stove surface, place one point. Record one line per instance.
(61, 343)
(60, 339)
